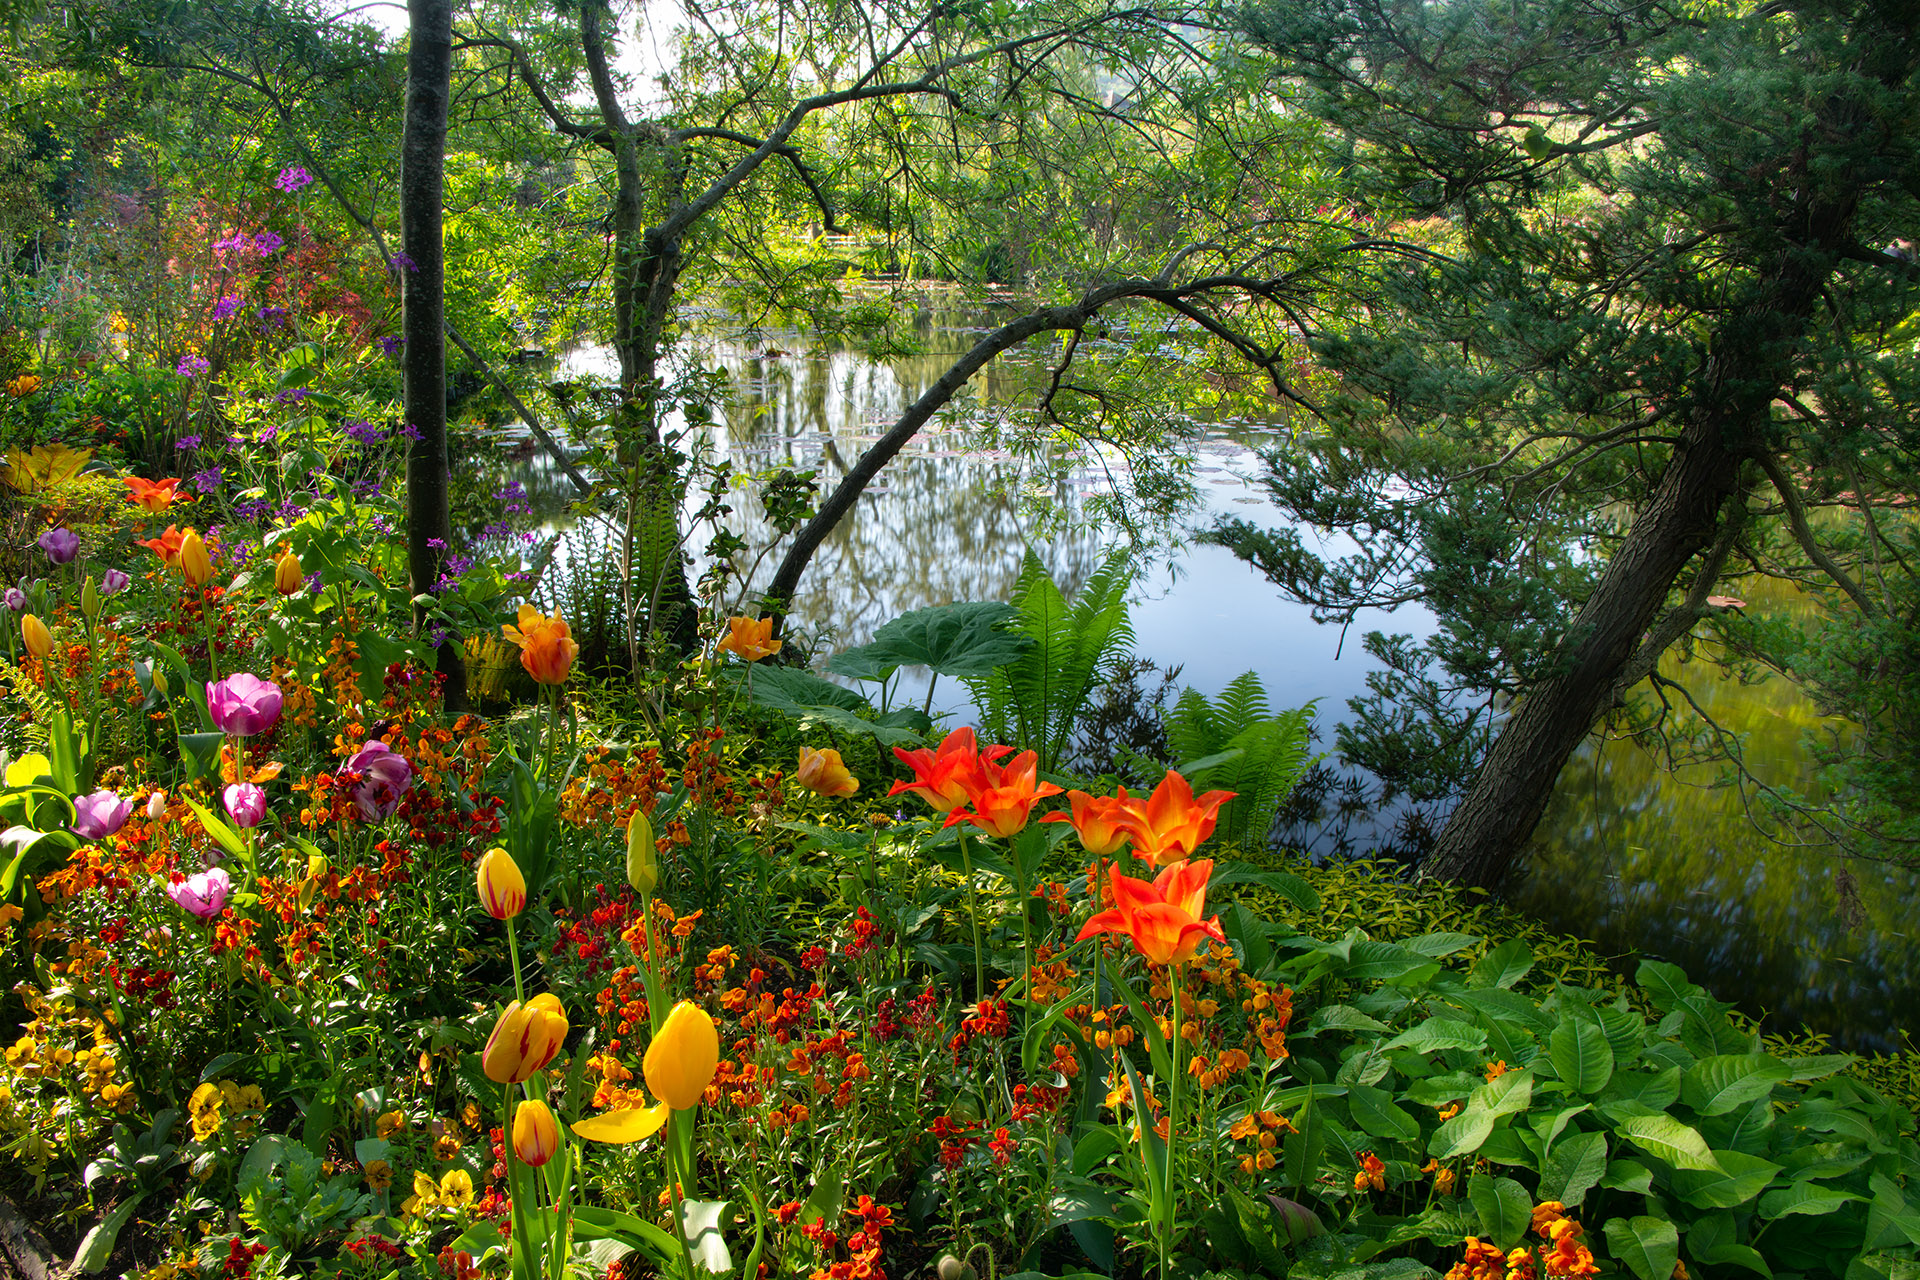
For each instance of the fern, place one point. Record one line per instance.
(22, 686)
(1034, 701)
(1265, 754)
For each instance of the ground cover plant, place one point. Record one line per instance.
(312, 977)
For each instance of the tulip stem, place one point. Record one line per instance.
(1174, 983)
(973, 910)
(206, 616)
(671, 1144)
(513, 949)
(524, 1264)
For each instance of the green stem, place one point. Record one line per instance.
(674, 1201)
(973, 909)
(513, 949)
(524, 1264)
(206, 616)
(1173, 1129)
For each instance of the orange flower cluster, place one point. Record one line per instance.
(1263, 1129)
(1562, 1256)
(605, 791)
(1371, 1173)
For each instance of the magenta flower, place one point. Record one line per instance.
(202, 895)
(244, 705)
(99, 815)
(191, 366)
(113, 582)
(246, 804)
(293, 179)
(61, 545)
(384, 777)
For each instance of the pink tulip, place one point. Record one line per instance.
(385, 776)
(99, 815)
(243, 705)
(202, 895)
(246, 804)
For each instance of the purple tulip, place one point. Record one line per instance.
(61, 545)
(99, 815)
(243, 704)
(113, 581)
(384, 777)
(246, 804)
(16, 599)
(202, 895)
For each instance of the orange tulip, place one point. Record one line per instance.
(945, 776)
(547, 649)
(503, 890)
(1002, 797)
(1104, 823)
(823, 773)
(1162, 918)
(166, 546)
(749, 638)
(524, 1040)
(196, 563)
(151, 495)
(536, 1135)
(1170, 824)
(34, 634)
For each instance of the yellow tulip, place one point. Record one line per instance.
(195, 563)
(536, 1135)
(824, 773)
(682, 1059)
(629, 1124)
(39, 640)
(287, 578)
(503, 890)
(643, 859)
(524, 1040)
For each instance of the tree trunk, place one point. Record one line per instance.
(423, 149)
(1753, 356)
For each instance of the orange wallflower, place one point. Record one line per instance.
(547, 649)
(1002, 797)
(1170, 824)
(750, 638)
(1104, 823)
(1162, 918)
(945, 776)
(151, 495)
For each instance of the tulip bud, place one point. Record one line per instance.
(287, 578)
(39, 640)
(195, 563)
(156, 806)
(524, 1040)
(503, 890)
(160, 680)
(682, 1059)
(643, 860)
(90, 600)
(316, 867)
(536, 1134)
(951, 1268)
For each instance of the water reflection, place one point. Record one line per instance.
(1628, 856)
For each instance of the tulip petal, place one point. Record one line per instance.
(630, 1124)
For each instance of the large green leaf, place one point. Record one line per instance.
(1650, 1246)
(1714, 1086)
(1739, 1179)
(814, 700)
(1804, 1198)
(1503, 966)
(1575, 1164)
(1436, 1034)
(1580, 1054)
(967, 638)
(1374, 1111)
(1462, 1135)
(1679, 1145)
(1504, 1207)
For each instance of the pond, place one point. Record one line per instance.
(1637, 860)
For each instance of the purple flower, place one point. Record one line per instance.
(392, 345)
(293, 179)
(61, 544)
(99, 815)
(244, 705)
(113, 582)
(410, 431)
(16, 599)
(187, 442)
(292, 395)
(364, 432)
(224, 309)
(235, 243)
(400, 261)
(267, 242)
(207, 481)
(384, 778)
(202, 895)
(273, 317)
(191, 366)
(246, 804)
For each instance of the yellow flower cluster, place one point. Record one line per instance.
(452, 1194)
(214, 1104)
(23, 385)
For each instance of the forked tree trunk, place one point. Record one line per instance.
(423, 148)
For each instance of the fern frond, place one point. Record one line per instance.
(22, 686)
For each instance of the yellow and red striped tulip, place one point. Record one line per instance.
(524, 1040)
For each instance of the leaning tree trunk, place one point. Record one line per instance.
(1753, 356)
(423, 150)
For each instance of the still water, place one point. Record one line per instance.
(1638, 860)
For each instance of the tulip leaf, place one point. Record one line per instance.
(184, 681)
(223, 835)
(200, 752)
(701, 1220)
(97, 1248)
(966, 638)
(591, 1223)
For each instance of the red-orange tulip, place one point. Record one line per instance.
(1002, 797)
(1104, 823)
(167, 545)
(945, 776)
(1162, 918)
(151, 495)
(1170, 824)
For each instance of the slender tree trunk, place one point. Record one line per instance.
(423, 150)
(1753, 357)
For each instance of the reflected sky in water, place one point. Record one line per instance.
(1628, 856)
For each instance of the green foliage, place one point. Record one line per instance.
(966, 638)
(1034, 701)
(289, 1199)
(1233, 744)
